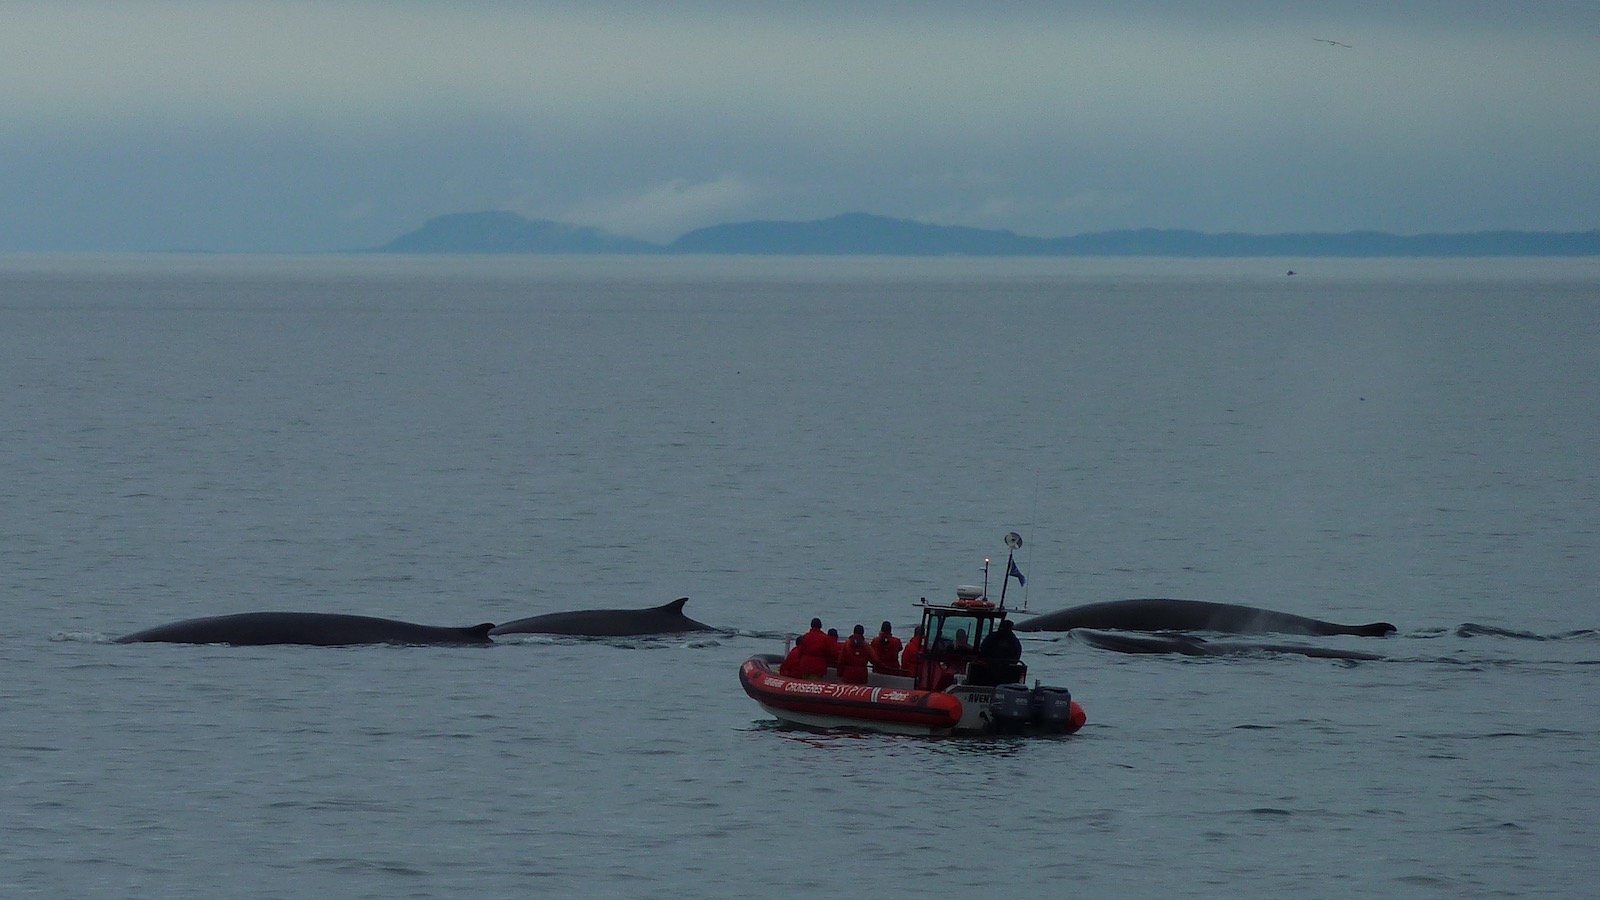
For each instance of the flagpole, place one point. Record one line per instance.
(1013, 541)
(1005, 582)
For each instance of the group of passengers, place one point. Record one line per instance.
(817, 651)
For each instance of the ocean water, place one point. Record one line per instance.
(459, 440)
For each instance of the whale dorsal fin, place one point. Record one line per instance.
(481, 630)
(675, 606)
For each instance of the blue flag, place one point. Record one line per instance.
(1013, 572)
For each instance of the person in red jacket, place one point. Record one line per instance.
(792, 666)
(814, 648)
(885, 651)
(854, 656)
(833, 647)
(912, 657)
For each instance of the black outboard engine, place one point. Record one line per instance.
(1012, 707)
(1052, 707)
(1017, 707)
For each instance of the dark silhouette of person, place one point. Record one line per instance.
(999, 659)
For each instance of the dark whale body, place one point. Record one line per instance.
(1192, 615)
(665, 619)
(316, 629)
(1188, 645)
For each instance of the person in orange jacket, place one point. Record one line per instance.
(815, 649)
(854, 656)
(833, 647)
(792, 665)
(885, 650)
(912, 657)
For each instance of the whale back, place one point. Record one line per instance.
(1192, 615)
(1188, 645)
(667, 618)
(313, 629)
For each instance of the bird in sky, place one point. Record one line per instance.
(1332, 43)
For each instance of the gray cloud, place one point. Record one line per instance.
(319, 126)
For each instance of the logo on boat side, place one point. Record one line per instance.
(827, 689)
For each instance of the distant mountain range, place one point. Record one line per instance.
(863, 234)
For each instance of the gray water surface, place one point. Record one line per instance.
(459, 440)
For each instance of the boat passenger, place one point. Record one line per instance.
(853, 657)
(885, 650)
(833, 647)
(814, 648)
(912, 657)
(792, 665)
(952, 658)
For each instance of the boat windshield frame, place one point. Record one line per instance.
(940, 622)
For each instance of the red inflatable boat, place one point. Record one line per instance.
(955, 689)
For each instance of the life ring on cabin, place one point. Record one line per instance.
(973, 603)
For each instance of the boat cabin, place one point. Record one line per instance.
(952, 635)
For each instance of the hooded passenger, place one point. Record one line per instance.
(814, 648)
(885, 650)
(854, 656)
(912, 657)
(792, 665)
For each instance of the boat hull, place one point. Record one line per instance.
(826, 722)
(832, 704)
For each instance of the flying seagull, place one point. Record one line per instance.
(1332, 43)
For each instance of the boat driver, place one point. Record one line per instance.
(999, 657)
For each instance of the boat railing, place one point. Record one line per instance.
(884, 679)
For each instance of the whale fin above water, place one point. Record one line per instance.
(667, 618)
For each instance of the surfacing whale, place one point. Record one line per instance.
(1192, 615)
(1189, 645)
(316, 629)
(665, 619)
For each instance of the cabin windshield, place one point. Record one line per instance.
(944, 630)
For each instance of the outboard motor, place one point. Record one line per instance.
(1052, 707)
(1012, 707)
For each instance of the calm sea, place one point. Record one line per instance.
(459, 440)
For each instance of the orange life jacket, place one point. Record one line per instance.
(792, 665)
(853, 658)
(913, 654)
(885, 652)
(816, 650)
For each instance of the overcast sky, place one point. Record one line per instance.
(291, 126)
